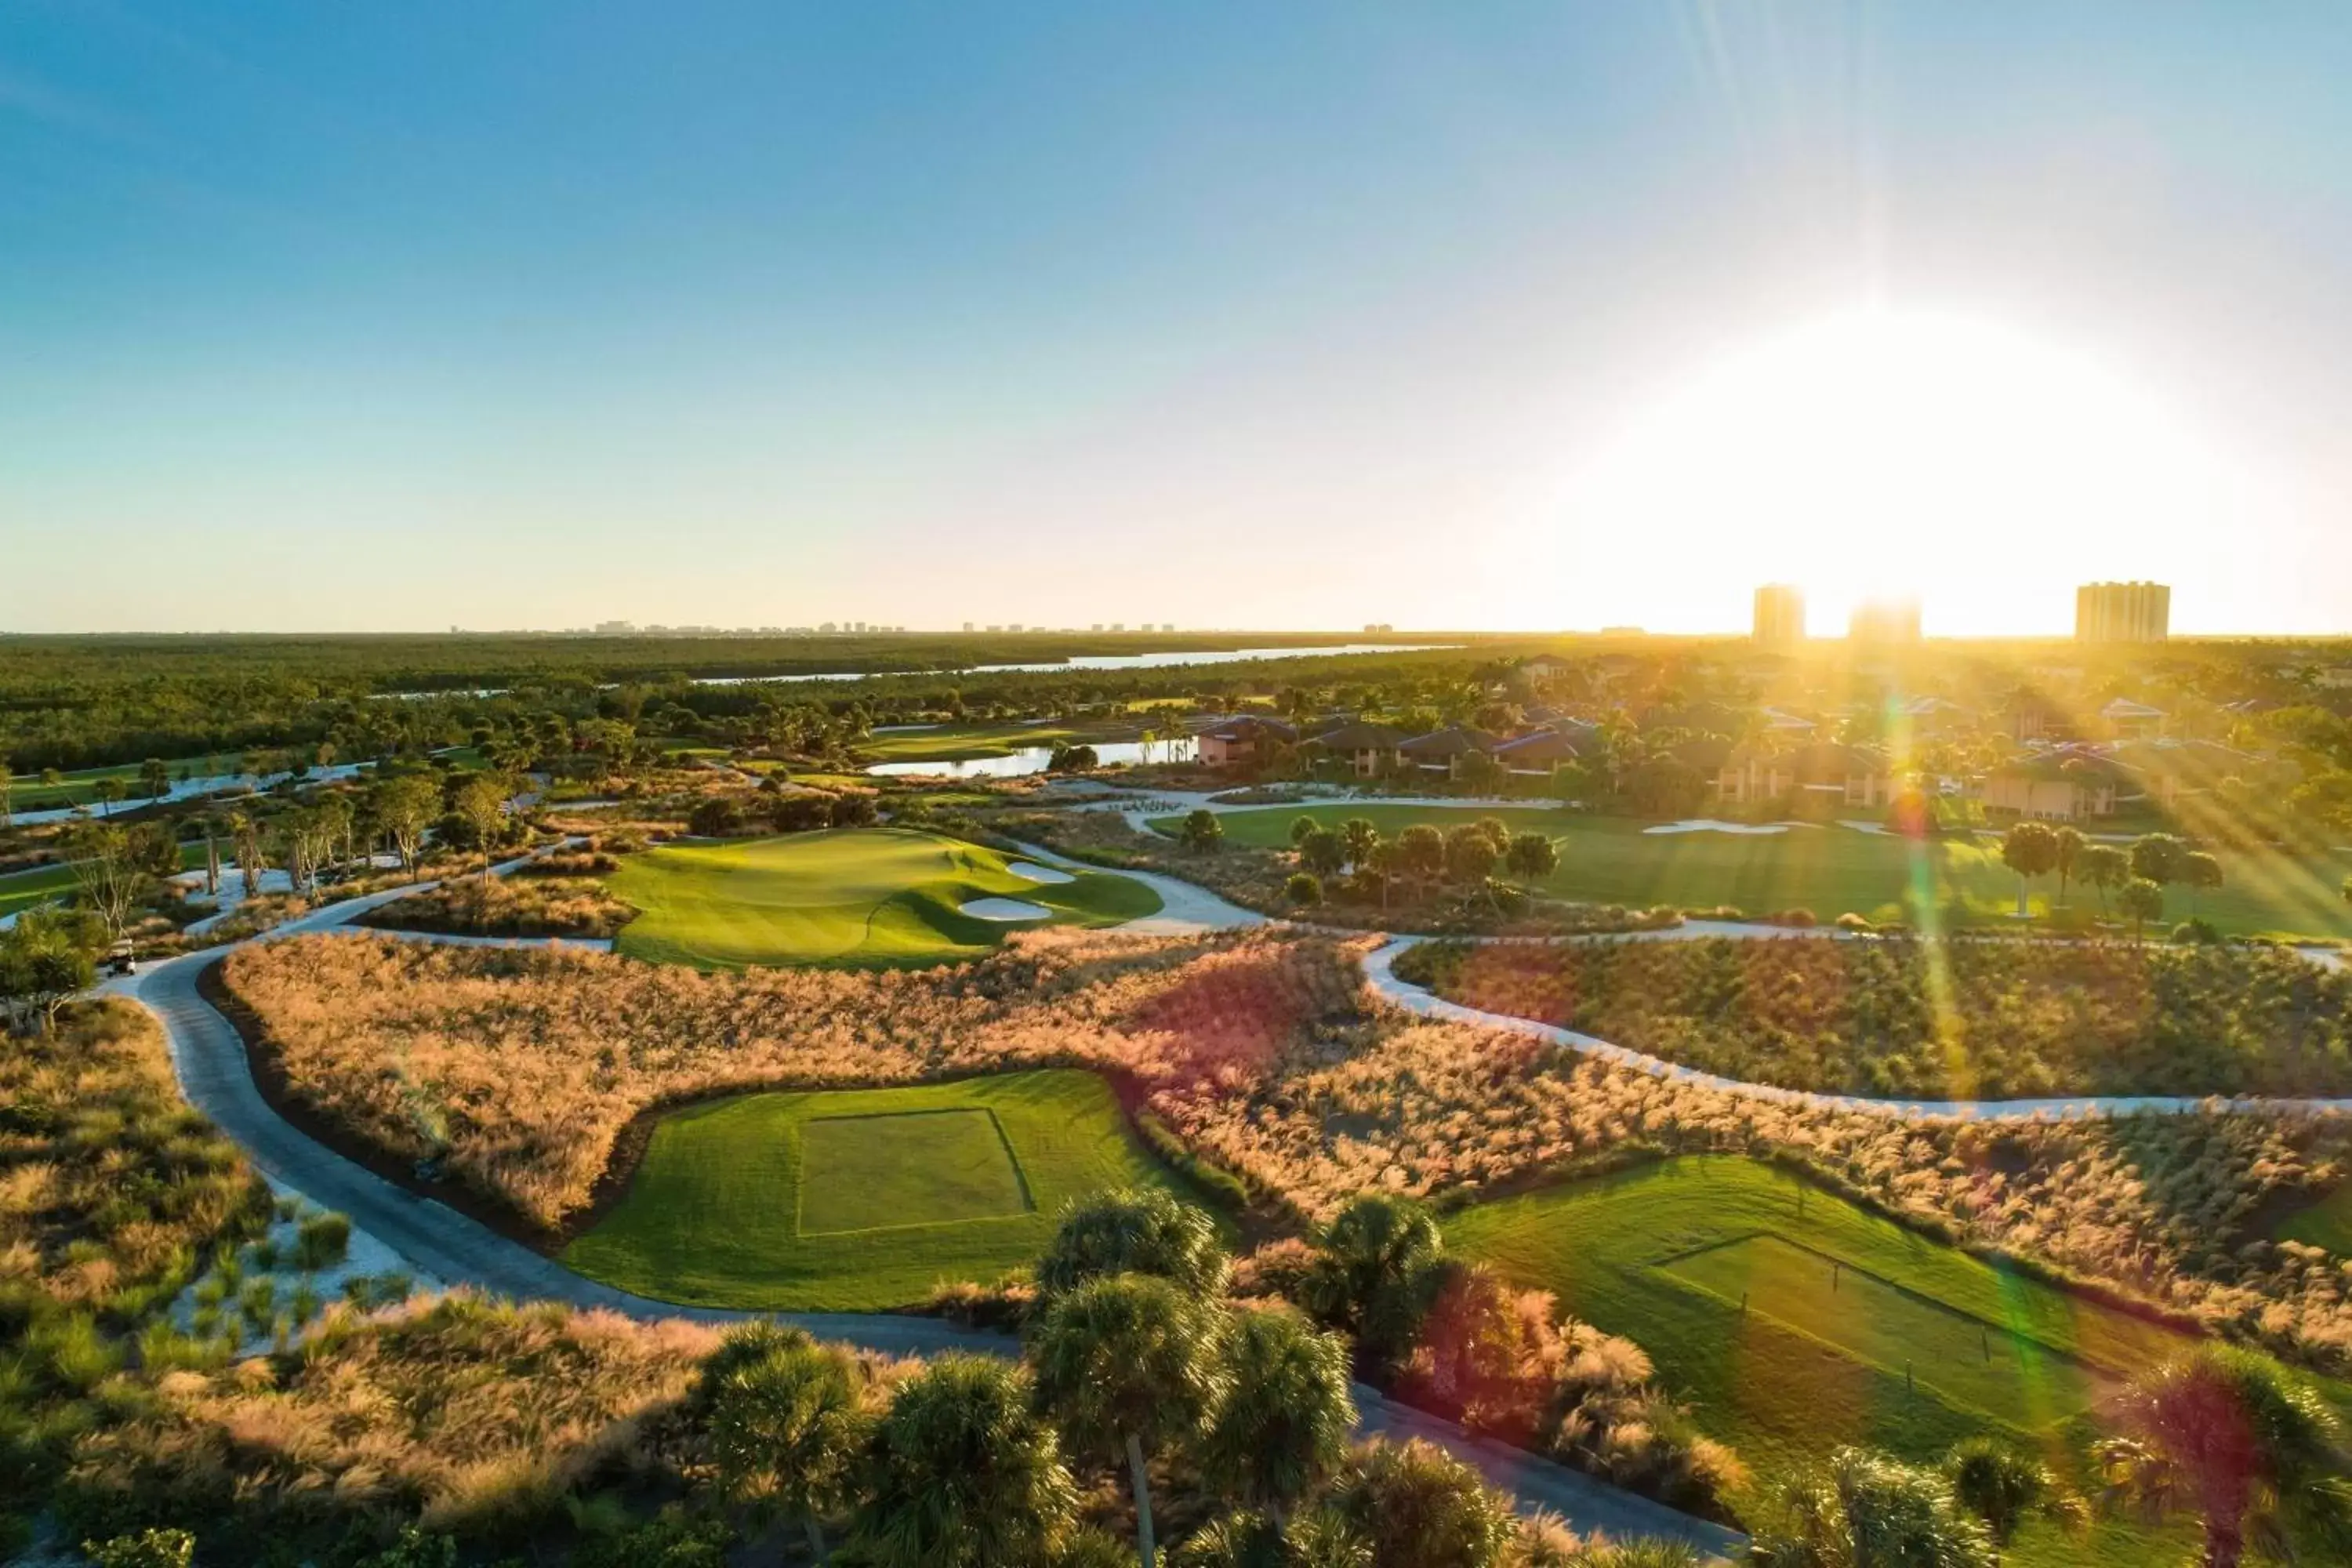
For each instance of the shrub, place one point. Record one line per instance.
(1304, 888)
(322, 1242)
(147, 1549)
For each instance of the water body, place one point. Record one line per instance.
(1033, 760)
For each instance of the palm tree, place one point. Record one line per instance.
(963, 1473)
(2103, 866)
(2202, 873)
(1318, 1540)
(1374, 1265)
(2029, 849)
(2142, 901)
(1421, 1508)
(108, 791)
(1361, 837)
(1867, 1510)
(1529, 857)
(2258, 1454)
(2004, 1485)
(1129, 1364)
(1134, 1231)
(245, 841)
(2069, 844)
(1282, 1428)
(786, 1429)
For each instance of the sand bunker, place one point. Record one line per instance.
(1006, 910)
(1030, 871)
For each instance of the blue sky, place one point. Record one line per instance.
(377, 317)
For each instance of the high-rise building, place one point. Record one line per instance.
(1779, 614)
(2123, 612)
(1884, 621)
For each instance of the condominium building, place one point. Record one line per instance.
(1779, 614)
(2122, 612)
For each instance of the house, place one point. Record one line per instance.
(2056, 784)
(2129, 720)
(2028, 717)
(1824, 772)
(1367, 750)
(1443, 751)
(1931, 715)
(1780, 722)
(2171, 772)
(1244, 742)
(1540, 752)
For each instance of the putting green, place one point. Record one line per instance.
(862, 896)
(1793, 1321)
(1829, 868)
(862, 1199)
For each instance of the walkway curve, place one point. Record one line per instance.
(1380, 973)
(209, 1057)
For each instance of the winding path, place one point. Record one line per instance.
(209, 1057)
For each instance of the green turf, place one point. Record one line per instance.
(24, 889)
(869, 1172)
(864, 895)
(860, 1200)
(966, 743)
(1854, 1330)
(1830, 869)
(2327, 1223)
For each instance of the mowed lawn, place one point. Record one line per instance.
(1793, 1321)
(860, 1200)
(25, 889)
(965, 742)
(1830, 870)
(862, 896)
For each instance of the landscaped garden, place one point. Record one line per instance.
(861, 896)
(859, 1200)
(1828, 869)
(1967, 1019)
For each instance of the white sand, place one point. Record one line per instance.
(1709, 825)
(1030, 871)
(1006, 909)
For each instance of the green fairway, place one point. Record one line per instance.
(966, 743)
(23, 889)
(77, 788)
(864, 895)
(860, 1200)
(1828, 868)
(1793, 1321)
(2327, 1223)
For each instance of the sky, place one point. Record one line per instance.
(1509, 316)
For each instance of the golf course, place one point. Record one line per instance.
(1828, 868)
(860, 1200)
(1792, 1321)
(866, 897)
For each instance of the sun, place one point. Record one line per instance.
(1881, 453)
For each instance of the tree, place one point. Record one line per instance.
(7, 788)
(2069, 844)
(786, 1429)
(1322, 852)
(1128, 1364)
(1302, 828)
(109, 790)
(2257, 1455)
(1375, 1268)
(1361, 837)
(246, 844)
(481, 802)
(1530, 857)
(1203, 833)
(108, 871)
(1496, 834)
(963, 1473)
(45, 960)
(2158, 856)
(1077, 759)
(1420, 855)
(2004, 1485)
(154, 778)
(1130, 1230)
(1421, 1508)
(1866, 1510)
(406, 807)
(2346, 890)
(1282, 1428)
(2031, 850)
(2142, 901)
(1304, 888)
(2200, 873)
(1470, 855)
(2105, 866)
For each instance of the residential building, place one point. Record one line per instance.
(1367, 750)
(2122, 612)
(1443, 751)
(2057, 783)
(1542, 753)
(2129, 720)
(1244, 742)
(1779, 614)
(1825, 772)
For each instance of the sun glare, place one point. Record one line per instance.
(1881, 453)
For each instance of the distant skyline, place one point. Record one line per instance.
(1521, 316)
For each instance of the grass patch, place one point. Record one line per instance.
(862, 1199)
(1830, 870)
(2327, 1223)
(970, 742)
(868, 897)
(1840, 1303)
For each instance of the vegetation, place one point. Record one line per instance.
(1955, 1020)
(858, 1200)
(880, 896)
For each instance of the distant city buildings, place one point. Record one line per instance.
(1884, 621)
(2122, 612)
(1779, 614)
(1374, 629)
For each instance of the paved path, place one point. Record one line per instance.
(1185, 908)
(436, 1240)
